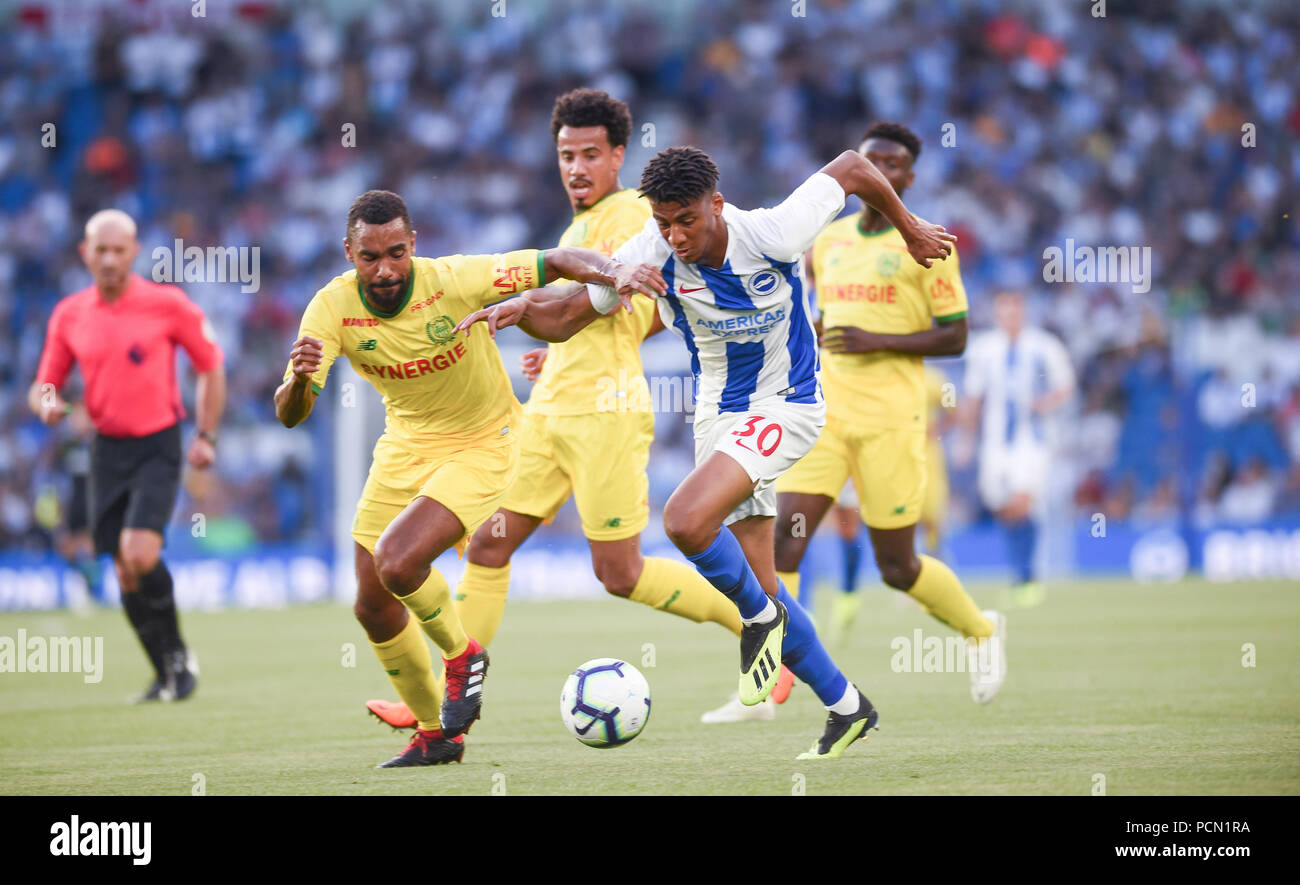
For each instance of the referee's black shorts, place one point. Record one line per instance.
(133, 484)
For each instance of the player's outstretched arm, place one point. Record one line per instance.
(539, 313)
(295, 397)
(859, 176)
(590, 266)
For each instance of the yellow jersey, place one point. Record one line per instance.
(599, 369)
(870, 281)
(439, 386)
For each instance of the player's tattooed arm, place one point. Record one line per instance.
(944, 339)
(859, 176)
(295, 397)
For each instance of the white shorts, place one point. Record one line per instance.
(1008, 471)
(766, 440)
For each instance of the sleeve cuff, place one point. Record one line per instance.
(951, 317)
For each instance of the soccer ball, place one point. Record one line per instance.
(605, 703)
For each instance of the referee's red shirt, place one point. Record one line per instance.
(127, 353)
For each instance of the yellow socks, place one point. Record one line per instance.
(791, 582)
(664, 584)
(481, 600)
(409, 666)
(679, 589)
(432, 608)
(940, 591)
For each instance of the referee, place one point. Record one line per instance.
(123, 331)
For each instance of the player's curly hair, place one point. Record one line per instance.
(679, 175)
(895, 132)
(591, 107)
(377, 207)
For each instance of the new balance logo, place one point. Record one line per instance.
(368, 344)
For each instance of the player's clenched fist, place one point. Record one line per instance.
(306, 357)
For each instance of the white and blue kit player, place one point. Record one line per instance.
(1017, 378)
(747, 328)
(729, 285)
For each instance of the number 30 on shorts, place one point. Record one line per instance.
(766, 440)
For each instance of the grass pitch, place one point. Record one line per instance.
(1144, 685)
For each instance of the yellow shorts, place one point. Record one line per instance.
(469, 480)
(600, 459)
(887, 467)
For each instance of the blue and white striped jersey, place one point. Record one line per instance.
(746, 324)
(1010, 376)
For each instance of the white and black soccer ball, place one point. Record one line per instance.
(605, 703)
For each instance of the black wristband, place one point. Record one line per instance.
(210, 437)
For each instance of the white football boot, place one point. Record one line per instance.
(734, 711)
(986, 660)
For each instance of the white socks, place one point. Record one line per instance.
(763, 617)
(848, 702)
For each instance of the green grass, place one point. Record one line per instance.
(1144, 685)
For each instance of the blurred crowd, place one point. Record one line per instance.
(1173, 126)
